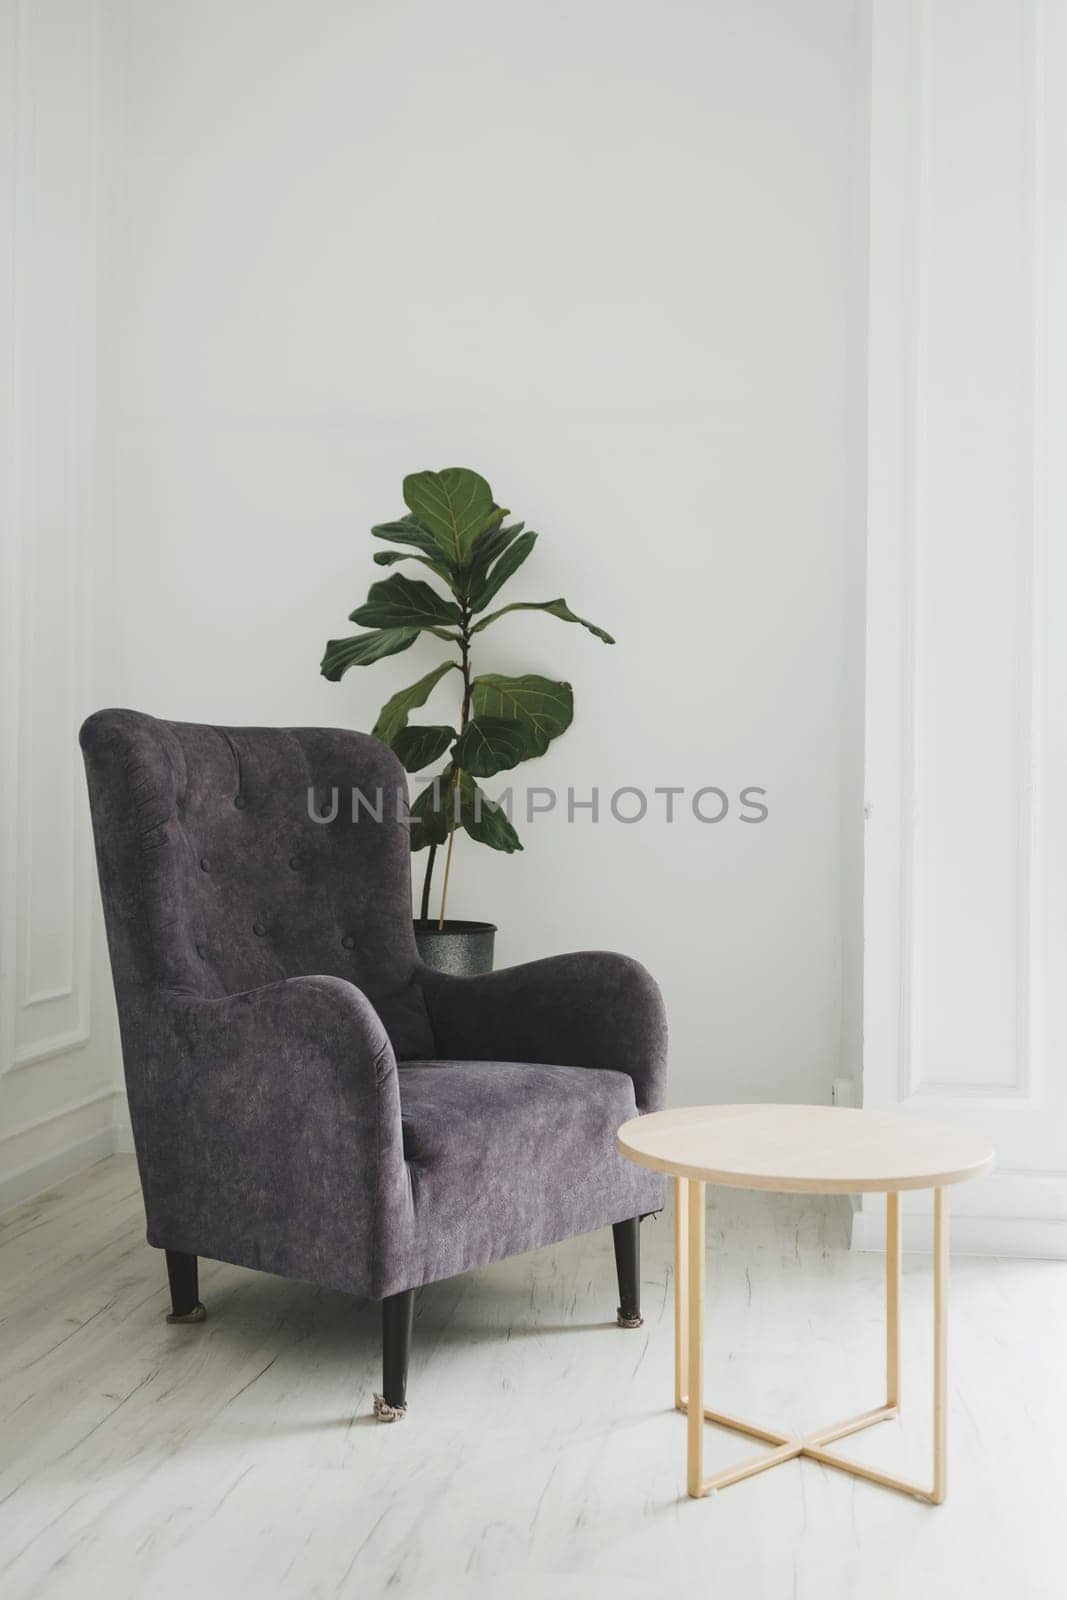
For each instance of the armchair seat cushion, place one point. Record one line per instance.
(507, 1156)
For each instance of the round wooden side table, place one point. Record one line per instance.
(803, 1150)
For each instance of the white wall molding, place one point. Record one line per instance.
(12, 177)
(57, 1054)
(55, 231)
(966, 771)
(46, 1049)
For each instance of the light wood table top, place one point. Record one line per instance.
(804, 1149)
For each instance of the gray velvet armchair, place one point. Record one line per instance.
(306, 1097)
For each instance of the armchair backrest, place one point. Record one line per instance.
(216, 878)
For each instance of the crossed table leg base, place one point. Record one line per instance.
(689, 1359)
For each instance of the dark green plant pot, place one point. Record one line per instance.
(459, 948)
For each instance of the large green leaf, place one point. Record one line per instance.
(485, 821)
(422, 743)
(490, 545)
(423, 547)
(542, 709)
(408, 530)
(555, 608)
(400, 602)
(456, 505)
(507, 564)
(394, 714)
(389, 558)
(432, 812)
(490, 744)
(363, 648)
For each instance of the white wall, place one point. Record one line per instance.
(265, 259)
(967, 764)
(58, 1083)
(611, 255)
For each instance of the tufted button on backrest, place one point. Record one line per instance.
(164, 797)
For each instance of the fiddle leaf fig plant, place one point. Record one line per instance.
(455, 530)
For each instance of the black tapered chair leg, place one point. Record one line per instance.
(184, 1288)
(398, 1317)
(627, 1237)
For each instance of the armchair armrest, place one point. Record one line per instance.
(590, 1009)
(269, 1130)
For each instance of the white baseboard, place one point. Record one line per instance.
(61, 1143)
(1015, 1214)
(123, 1135)
(1013, 1237)
(32, 1180)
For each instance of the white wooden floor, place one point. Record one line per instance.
(540, 1456)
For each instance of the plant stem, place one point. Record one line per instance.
(424, 907)
(465, 668)
(444, 886)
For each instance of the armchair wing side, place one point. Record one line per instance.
(589, 1009)
(267, 1127)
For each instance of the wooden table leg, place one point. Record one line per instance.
(892, 1299)
(681, 1266)
(695, 1329)
(940, 1346)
